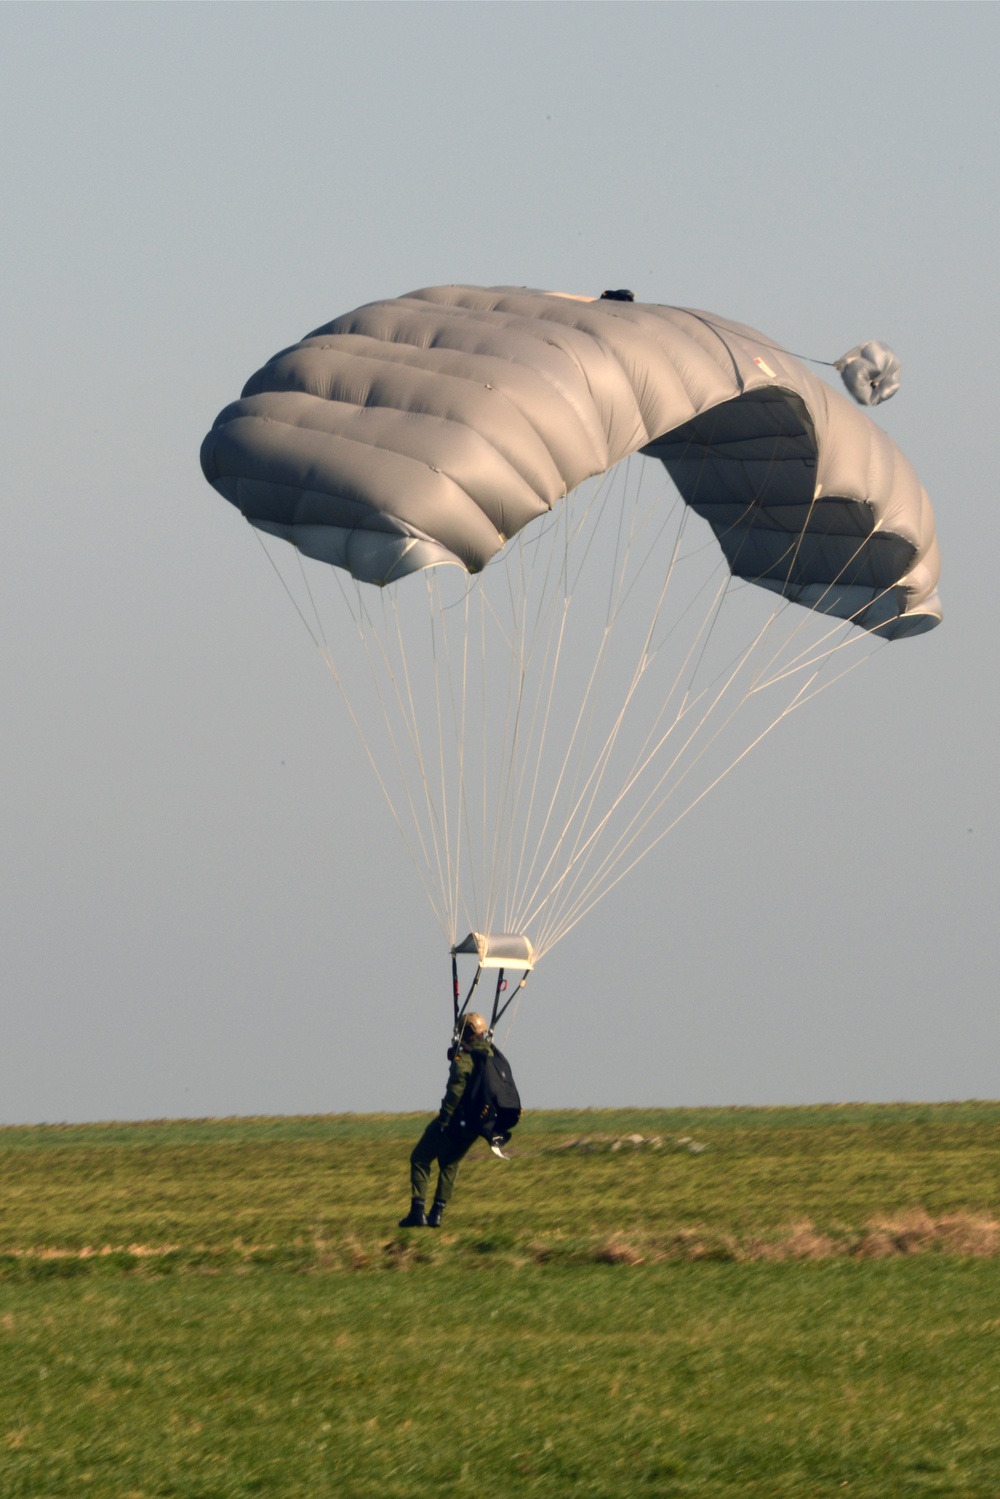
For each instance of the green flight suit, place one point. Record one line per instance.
(438, 1142)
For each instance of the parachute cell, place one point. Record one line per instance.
(431, 428)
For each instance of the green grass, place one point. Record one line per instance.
(560, 1337)
(309, 1191)
(881, 1379)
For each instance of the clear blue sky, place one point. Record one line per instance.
(205, 909)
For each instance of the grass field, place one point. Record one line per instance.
(787, 1302)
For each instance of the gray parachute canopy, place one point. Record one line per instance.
(430, 428)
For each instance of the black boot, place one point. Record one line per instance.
(436, 1214)
(416, 1217)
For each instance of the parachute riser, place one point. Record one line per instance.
(461, 1008)
(500, 1010)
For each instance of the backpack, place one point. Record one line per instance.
(490, 1105)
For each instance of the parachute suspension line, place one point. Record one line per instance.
(591, 894)
(801, 697)
(291, 597)
(805, 661)
(557, 614)
(484, 753)
(614, 577)
(793, 665)
(518, 992)
(451, 890)
(545, 701)
(639, 765)
(531, 630)
(521, 716)
(522, 745)
(596, 776)
(327, 657)
(852, 666)
(704, 635)
(793, 554)
(649, 808)
(701, 643)
(463, 783)
(375, 642)
(500, 1010)
(597, 501)
(638, 670)
(696, 650)
(800, 538)
(513, 759)
(615, 584)
(512, 709)
(413, 726)
(761, 343)
(309, 594)
(807, 657)
(458, 696)
(455, 812)
(637, 823)
(510, 678)
(799, 663)
(501, 986)
(714, 609)
(581, 718)
(371, 637)
(521, 646)
(751, 511)
(594, 676)
(545, 939)
(573, 918)
(458, 834)
(644, 564)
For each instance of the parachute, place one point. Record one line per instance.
(870, 372)
(467, 463)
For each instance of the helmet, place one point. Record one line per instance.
(474, 1023)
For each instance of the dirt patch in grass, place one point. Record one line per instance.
(964, 1235)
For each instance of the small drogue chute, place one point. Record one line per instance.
(870, 371)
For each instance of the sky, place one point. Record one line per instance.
(206, 910)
